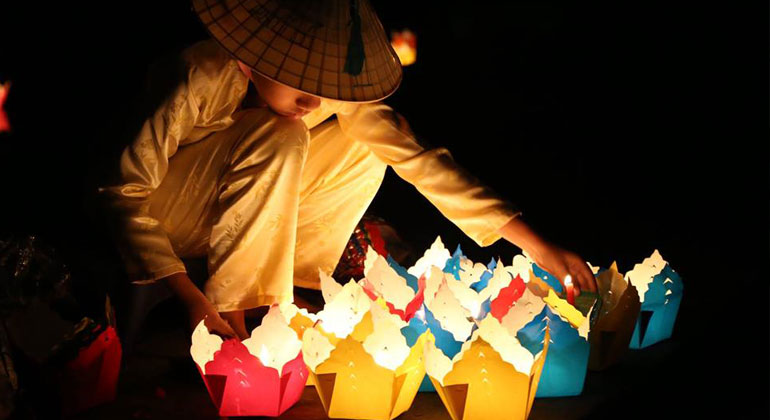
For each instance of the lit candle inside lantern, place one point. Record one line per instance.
(570, 290)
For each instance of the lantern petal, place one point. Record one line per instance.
(274, 342)
(345, 311)
(204, 345)
(388, 284)
(329, 287)
(507, 298)
(435, 256)
(449, 312)
(527, 307)
(386, 343)
(642, 274)
(564, 309)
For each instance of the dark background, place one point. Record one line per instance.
(617, 128)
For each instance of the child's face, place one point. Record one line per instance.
(282, 99)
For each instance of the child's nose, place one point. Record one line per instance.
(308, 103)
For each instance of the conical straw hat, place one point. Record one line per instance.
(334, 49)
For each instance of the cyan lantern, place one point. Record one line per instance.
(659, 309)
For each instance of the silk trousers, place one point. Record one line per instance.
(268, 202)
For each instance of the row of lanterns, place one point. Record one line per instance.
(487, 338)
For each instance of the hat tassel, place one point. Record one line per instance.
(354, 62)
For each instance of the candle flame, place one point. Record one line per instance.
(568, 280)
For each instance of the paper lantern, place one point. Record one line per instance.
(362, 366)
(493, 377)
(458, 293)
(448, 322)
(91, 378)
(299, 321)
(567, 362)
(436, 256)
(4, 124)
(263, 375)
(382, 280)
(615, 315)
(660, 292)
(404, 43)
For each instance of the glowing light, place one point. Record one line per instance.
(4, 124)
(264, 355)
(420, 313)
(404, 43)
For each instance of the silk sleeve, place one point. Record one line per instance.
(477, 210)
(141, 240)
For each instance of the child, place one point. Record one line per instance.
(242, 164)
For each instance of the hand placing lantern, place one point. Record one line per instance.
(263, 375)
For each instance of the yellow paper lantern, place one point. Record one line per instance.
(492, 377)
(361, 364)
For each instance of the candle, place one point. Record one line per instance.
(570, 290)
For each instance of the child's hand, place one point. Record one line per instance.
(561, 263)
(214, 322)
(550, 257)
(237, 320)
(198, 307)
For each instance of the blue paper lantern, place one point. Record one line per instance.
(445, 341)
(566, 364)
(659, 309)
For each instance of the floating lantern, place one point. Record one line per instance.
(362, 366)
(4, 124)
(404, 43)
(615, 315)
(436, 256)
(567, 362)
(263, 375)
(493, 377)
(660, 292)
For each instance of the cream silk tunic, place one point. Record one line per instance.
(270, 202)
